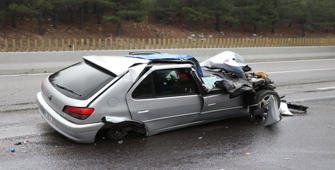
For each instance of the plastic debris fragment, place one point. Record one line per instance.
(18, 143)
(12, 150)
(283, 109)
(297, 107)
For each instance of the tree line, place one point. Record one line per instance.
(309, 14)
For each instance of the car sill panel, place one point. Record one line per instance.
(225, 109)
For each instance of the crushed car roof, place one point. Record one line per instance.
(119, 65)
(167, 57)
(162, 56)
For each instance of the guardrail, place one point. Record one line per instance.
(29, 45)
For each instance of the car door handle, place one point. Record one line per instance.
(143, 111)
(211, 104)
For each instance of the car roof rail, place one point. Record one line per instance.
(143, 52)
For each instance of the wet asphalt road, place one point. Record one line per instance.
(304, 141)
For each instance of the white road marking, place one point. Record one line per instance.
(326, 88)
(293, 61)
(294, 71)
(17, 75)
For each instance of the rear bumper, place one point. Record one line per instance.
(79, 133)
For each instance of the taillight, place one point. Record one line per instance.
(81, 113)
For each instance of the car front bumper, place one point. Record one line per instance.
(79, 133)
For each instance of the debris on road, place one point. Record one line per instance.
(283, 109)
(286, 108)
(18, 143)
(297, 107)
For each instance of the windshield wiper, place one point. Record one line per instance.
(67, 89)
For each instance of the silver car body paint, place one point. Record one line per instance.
(118, 65)
(84, 133)
(114, 102)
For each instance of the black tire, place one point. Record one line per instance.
(116, 133)
(262, 98)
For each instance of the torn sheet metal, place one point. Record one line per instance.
(221, 58)
(113, 119)
(235, 88)
(273, 115)
(228, 61)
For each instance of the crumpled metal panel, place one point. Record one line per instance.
(273, 114)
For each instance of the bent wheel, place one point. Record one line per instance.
(263, 99)
(116, 133)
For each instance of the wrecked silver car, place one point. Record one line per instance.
(152, 93)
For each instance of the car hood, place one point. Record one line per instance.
(227, 57)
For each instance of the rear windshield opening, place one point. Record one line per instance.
(81, 80)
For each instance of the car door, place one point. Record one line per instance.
(219, 105)
(164, 99)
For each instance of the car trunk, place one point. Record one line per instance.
(73, 89)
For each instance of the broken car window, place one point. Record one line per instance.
(167, 82)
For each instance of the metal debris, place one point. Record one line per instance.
(297, 107)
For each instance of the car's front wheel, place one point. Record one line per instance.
(262, 99)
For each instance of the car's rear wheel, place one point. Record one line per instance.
(263, 100)
(116, 133)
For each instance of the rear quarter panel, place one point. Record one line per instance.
(113, 102)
